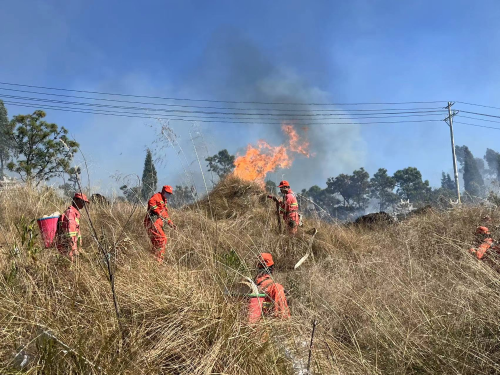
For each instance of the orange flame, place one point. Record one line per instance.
(259, 161)
(295, 146)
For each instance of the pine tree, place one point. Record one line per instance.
(149, 178)
(443, 180)
(473, 180)
(446, 182)
(450, 183)
(493, 159)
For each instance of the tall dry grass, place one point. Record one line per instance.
(403, 299)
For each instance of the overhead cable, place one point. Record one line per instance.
(240, 117)
(395, 112)
(213, 101)
(212, 107)
(107, 113)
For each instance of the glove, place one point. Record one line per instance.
(172, 225)
(273, 198)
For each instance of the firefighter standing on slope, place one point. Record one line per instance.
(155, 219)
(68, 228)
(288, 207)
(275, 303)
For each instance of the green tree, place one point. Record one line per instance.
(149, 177)
(493, 160)
(382, 189)
(360, 185)
(6, 145)
(473, 180)
(43, 150)
(352, 188)
(409, 185)
(221, 163)
(446, 182)
(341, 185)
(313, 192)
(322, 198)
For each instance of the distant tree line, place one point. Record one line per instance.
(353, 194)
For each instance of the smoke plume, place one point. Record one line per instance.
(234, 68)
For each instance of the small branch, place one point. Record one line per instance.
(314, 323)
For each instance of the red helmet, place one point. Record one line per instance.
(482, 230)
(265, 259)
(167, 189)
(284, 183)
(81, 196)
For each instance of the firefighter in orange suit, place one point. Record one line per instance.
(155, 219)
(289, 207)
(486, 245)
(69, 238)
(275, 303)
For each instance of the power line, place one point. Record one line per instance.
(109, 113)
(479, 114)
(479, 126)
(172, 111)
(210, 100)
(223, 117)
(480, 119)
(211, 107)
(479, 105)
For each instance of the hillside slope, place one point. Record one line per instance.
(401, 299)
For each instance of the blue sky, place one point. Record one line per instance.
(355, 51)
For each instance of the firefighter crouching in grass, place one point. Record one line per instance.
(271, 300)
(487, 248)
(288, 207)
(69, 239)
(155, 219)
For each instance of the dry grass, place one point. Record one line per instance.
(403, 299)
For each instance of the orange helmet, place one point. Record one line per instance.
(81, 196)
(482, 230)
(167, 189)
(265, 259)
(284, 183)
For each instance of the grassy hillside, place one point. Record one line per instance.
(401, 299)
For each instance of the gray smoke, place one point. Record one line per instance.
(234, 68)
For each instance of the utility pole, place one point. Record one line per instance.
(449, 121)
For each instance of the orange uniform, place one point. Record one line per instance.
(289, 208)
(68, 232)
(481, 251)
(154, 220)
(275, 303)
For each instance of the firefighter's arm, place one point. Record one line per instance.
(273, 198)
(166, 218)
